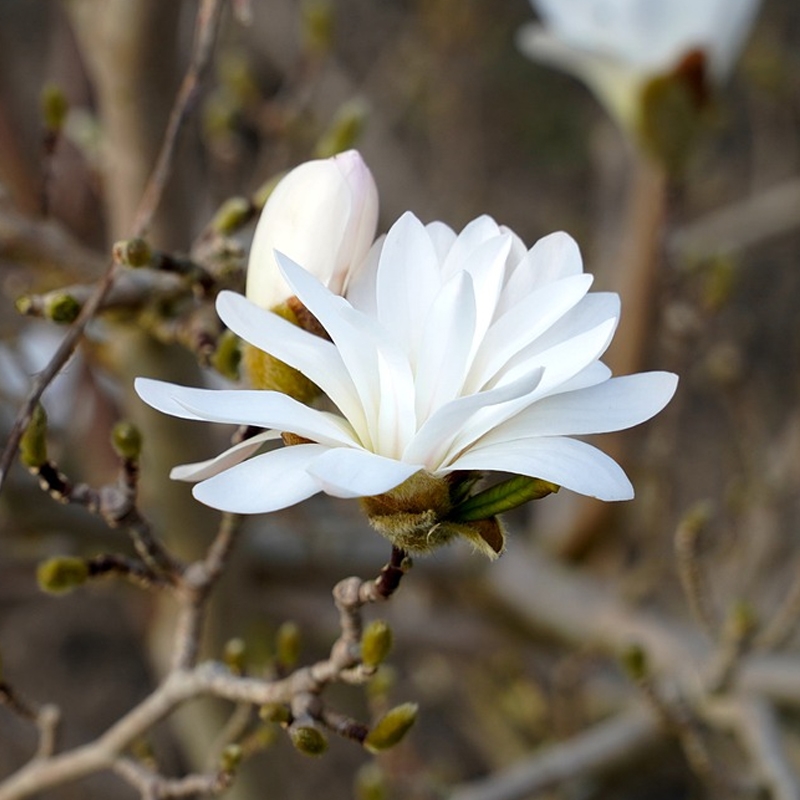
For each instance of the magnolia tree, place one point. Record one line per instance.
(435, 376)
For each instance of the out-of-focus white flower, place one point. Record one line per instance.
(452, 355)
(323, 215)
(616, 46)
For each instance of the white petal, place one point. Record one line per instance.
(378, 367)
(615, 405)
(317, 358)
(201, 470)
(360, 289)
(446, 345)
(265, 483)
(524, 323)
(408, 280)
(345, 472)
(455, 420)
(255, 407)
(567, 462)
(442, 237)
(473, 235)
(552, 258)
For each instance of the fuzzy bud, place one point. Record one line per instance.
(126, 439)
(275, 712)
(33, 444)
(234, 654)
(133, 253)
(230, 758)
(323, 215)
(232, 215)
(308, 740)
(391, 727)
(370, 783)
(62, 574)
(61, 307)
(344, 131)
(376, 642)
(287, 644)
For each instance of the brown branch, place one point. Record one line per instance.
(205, 32)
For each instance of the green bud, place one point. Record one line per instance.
(317, 25)
(33, 444)
(133, 253)
(24, 304)
(275, 712)
(227, 356)
(126, 439)
(376, 642)
(308, 740)
(267, 372)
(230, 758)
(502, 497)
(370, 783)
(287, 644)
(344, 131)
(232, 215)
(391, 727)
(61, 307)
(62, 574)
(634, 660)
(234, 655)
(54, 106)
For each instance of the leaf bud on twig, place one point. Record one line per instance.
(62, 574)
(33, 444)
(308, 740)
(391, 727)
(132, 253)
(232, 215)
(126, 440)
(54, 106)
(376, 642)
(61, 307)
(287, 644)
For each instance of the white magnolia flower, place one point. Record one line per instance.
(616, 46)
(323, 215)
(451, 354)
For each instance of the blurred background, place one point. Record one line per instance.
(454, 122)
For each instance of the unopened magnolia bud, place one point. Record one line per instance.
(391, 727)
(634, 660)
(376, 642)
(33, 444)
(308, 740)
(133, 253)
(287, 644)
(345, 130)
(61, 307)
(62, 574)
(232, 215)
(323, 215)
(234, 655)
(54, 106)
(230, 758)
(126, 439)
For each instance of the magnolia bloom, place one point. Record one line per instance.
(453, 354)
(323, 215)
(616, 46)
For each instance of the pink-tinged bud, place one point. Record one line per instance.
(323, 215)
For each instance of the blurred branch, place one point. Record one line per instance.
(602, 748)
(769, 213)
